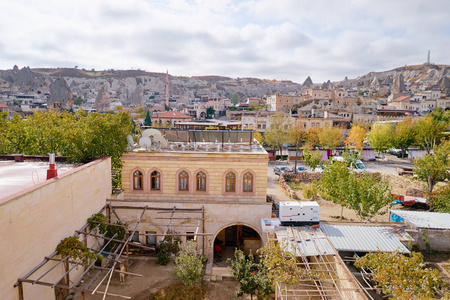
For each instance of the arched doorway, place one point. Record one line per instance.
(233, 237)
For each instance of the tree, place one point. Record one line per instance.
(210, 111)
(330, 137)
(401, 277)
(312, 159)
(235, 98)
(433, 168)
(440, 200)
(259, 137)
(276, 134)
(281, 264)
(356, 137)
(365, 193)
(312, 137)
(188, 265)
(148, 119)
(380, 136)
(404, 135)
(251, 276)
(296, 136)
(429, 131)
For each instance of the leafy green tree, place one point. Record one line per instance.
(188, 265)
(330, 137)
(148, 119)
(440, 199)
(276, 134)
(401, 277)
(432, 168)
(210, 111)
(365, 193)
(296, 136)
(312, 159)
(380, 136)
(429, 131)
(235, 98)
(404, 135)
(251, 276)
(281, 264)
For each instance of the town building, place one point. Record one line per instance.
(169, 118)
(222, 173)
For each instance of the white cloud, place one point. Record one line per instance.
(284, 39)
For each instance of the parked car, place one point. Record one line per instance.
(319, 169)
(279, 170)
(301, 169)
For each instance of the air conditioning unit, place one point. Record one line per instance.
(299, 213)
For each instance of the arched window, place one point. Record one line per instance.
(248, 182)
(230, 182)
(201, 181)
(183, 181)
(137, 180)
(155, 178)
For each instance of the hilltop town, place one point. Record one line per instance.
(142, 185)
(409, 90)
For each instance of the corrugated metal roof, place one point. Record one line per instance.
(312, 241)
(425, 219)
(364, 238)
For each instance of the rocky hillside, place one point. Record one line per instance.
(414, 73)
(135, 86)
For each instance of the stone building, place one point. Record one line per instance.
(224, 173)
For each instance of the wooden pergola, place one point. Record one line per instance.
(51, 265)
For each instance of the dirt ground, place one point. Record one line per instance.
(156, 277)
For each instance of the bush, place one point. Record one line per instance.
(162, 259)
(310, 191)
(189, 265)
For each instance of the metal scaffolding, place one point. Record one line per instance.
(47, 271)
(327, 277)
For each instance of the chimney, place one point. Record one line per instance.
(52, 172)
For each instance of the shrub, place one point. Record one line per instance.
(189, 265)
(162, 259)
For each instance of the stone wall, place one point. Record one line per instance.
(214, 165)
(303, 177)
(35, 220)
(439, 240)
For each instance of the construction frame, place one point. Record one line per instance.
(97, 242)
(327, 276)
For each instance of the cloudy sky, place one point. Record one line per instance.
(273, 39)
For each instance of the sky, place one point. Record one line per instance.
(270, 39)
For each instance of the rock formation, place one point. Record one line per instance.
(308, 83)
(102, 103)
(399, 84)
(60, 95)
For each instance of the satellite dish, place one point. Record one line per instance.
(162, 141)
(145, 142)
(151, 132)
(130, 141)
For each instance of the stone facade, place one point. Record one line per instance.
(222, 208)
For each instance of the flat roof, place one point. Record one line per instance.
(310, 242)
(366, 238)
(17, 176)
(425, 219)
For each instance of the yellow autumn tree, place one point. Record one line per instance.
(356, 137)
